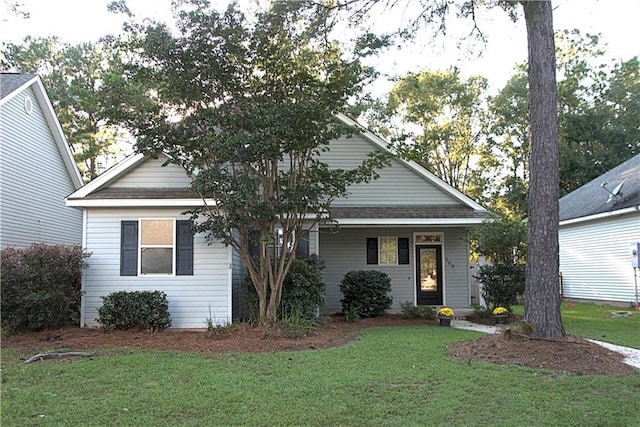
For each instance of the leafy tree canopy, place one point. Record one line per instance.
(248, 108)
(444, 123)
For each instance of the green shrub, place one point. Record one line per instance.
(302, 290)
(501, 284)
(40, 286)
(368, 290)
(410, 311)
(138, 309)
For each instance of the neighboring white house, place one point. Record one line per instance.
(598, 224)
(37, 169)
(408, 223)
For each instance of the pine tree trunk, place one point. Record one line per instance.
(542, 296)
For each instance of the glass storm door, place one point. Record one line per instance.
(429, 274)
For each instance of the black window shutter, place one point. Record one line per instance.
(254, 243)
(302, 250)
(403, 250)
(129, 248)
(184, 248)
(372, 250)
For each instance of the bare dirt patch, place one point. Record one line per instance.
(570, 355)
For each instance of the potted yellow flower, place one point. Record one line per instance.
(500, 315)
(445, 314)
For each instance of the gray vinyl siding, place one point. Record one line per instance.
(152, 174)
(595, 259)
(397, 183)
(192, 299)
(346, 251)
(456, 268)
(238, 289)
(33, 180)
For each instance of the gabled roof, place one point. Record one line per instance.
(11, 84)
(416, 167)
(594, 199)
(97, 193)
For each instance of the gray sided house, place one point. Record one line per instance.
(37, 169)
(598, 224)
(408, 224)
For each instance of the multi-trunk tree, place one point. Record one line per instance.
(247, 107)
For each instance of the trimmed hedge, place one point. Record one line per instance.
(137, 309)
(40, 286)
(365, 293)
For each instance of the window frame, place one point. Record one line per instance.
(387, 252)
(172, 246)
(402, 252)
(182, 248)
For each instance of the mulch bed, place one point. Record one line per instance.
(569, 355)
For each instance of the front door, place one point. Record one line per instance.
(429, 274)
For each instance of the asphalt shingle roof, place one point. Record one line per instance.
(339, 212)
(143, 193)
(591, 198)
(407, 211)
(12, 81)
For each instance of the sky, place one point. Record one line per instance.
(76, 21)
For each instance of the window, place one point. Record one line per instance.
(388, 250)
(156, 246)
(429, 239)
(302, 250)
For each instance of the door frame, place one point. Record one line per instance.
(428, 239)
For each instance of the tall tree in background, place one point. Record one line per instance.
(542, 308)
(247, 108)
(542, 295)
(586, 147)
(599, 124)
(443, 120)
(509, 142)
(84, 83)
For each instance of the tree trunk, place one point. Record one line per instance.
(542, 295)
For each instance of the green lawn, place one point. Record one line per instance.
(594, 321)
(390, 376)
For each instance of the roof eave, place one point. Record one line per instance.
(601, 215)
(139, 203)
(109, 175)
(365, 222)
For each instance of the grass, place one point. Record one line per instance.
(390, 376)
(594, 321)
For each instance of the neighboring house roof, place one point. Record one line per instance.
(11, 84)
(594, 199)
(100, 193)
